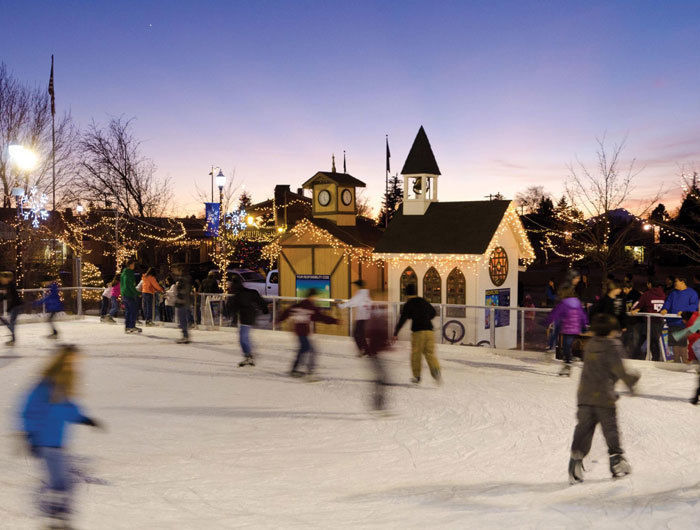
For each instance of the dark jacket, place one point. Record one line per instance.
(602, 367)
(210, 285)
(9, 293)
(244, 303)
(420, 312)
(183, 291)
(44, 421)
(612, 306)
(51, 300)
(302, 314)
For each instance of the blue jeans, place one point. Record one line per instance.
(131, 308)
(567, 343)
(244, 337)
(183, 314)
(554, 336)
(148, 306)
(304, 348)
(114, 307)
(104, 306)
(12, 321)
(60, 482)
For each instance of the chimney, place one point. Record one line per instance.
(300, 191)
(280, 193)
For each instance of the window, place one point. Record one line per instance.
(456, 293)
(408, 277)
(432, 286)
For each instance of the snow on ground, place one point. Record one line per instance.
(193, 441)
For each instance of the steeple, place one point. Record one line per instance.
(333, 163)
(420, 159)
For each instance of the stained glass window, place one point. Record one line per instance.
(498, 266)
(432, 286)
(408, 277)
(456, 293)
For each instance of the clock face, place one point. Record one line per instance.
(324, 197)
(346, 197)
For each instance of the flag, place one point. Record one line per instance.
(212, 213)
(345, 167)
(51, 92)
(388, 155)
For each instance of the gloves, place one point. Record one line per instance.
(92, 423)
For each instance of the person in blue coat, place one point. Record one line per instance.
(45, 414)
(52, 305)
(681, 299)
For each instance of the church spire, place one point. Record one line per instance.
(420, 159)
(333, 163)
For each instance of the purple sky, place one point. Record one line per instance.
(509, 92)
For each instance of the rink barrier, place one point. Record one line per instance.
(208, 312)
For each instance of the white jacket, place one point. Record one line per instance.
(170, 296)
(362, 302)
(107, 293)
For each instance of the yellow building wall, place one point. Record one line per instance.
(332, 206)
(342, 207)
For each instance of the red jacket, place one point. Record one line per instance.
(692, 337)
(651, 301)
(302, 314)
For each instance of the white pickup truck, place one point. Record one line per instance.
(254, 280)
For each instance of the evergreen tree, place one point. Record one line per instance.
(244, 201)
(659, 214)
(391, 201)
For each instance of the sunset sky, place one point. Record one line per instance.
(509, 92)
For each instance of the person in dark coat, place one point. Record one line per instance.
(244, 304)
(421, 314)
(612, 303)
(210, 284)
(602, 368)
(651, 301)
(13, 302)
(52, 304)
(183, 301)
(45, 412)
(302, 314)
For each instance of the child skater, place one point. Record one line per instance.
(52, 304)
(46, 410)
(570, 318)
(602, 367)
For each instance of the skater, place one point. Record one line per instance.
(149, 288)
(377, 340)
(45, 411)
(682, 298)
(421, 313)
(183, 300)
(362, 301)
(571, 320)
(52, 305)
(651, 301)
(13, 301)
(602, 367)
(243, 304)
(114, 300)
(105, 301)
(129, 296)
(612, 303)
(302, 315)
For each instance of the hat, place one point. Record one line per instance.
(359, 283)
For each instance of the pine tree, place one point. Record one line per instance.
(392, 200)
(244, 201)
(90, 276)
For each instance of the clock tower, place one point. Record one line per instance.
(334, 196)
(420, 176)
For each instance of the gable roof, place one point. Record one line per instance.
(342, 179)
(445, 228)
(420, 158)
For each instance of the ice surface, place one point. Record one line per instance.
(193, 441)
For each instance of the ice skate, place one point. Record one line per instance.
(109, 320)
(312, 378)
(10, 342)
(575, 471)
(137, 330)
(53, 335)
(619, 467)
(149, 323)
(415, 380)
(248, 361)
(565, 370)
(183, 340)
(296, 373)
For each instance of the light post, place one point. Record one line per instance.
(78, 273)
(221, 182)
(24, 160)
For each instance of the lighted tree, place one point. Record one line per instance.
(90, 276)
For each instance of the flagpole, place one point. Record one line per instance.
(53, 141)
(386, 185)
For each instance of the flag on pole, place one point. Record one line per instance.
(51, 92)
(345, 167)
(388, 155)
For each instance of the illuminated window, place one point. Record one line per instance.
(432, 286)
(636, 253)
(408, 277)
(456, 293)
(498, 266)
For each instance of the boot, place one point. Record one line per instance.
(619, 467)
(565, 370)
(575, 471)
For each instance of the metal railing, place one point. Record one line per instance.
(523, 328)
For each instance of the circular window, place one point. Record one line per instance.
(324, 197)
(346, 197)
(498, 266)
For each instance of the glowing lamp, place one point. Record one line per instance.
(25, 159)
(221, 180)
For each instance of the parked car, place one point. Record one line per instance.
(266, 286)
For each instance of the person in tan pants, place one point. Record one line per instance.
(421, 313)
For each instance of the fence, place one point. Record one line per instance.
(523, 328)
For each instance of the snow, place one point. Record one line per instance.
(193, 441)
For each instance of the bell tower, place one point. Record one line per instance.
(420, 176)
(334, 196)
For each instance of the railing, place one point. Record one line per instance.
(523, 328)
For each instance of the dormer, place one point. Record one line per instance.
(420, 175)
(334, 196)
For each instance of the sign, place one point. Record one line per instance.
(320, 282)
(498, 266)
(498, 297)
(212, 212)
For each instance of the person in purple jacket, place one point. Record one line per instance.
(571, 318)
(52, 305)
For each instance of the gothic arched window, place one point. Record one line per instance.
(408, 277)
(432, 286)
(456, 293)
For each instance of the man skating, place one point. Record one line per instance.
(243, 304)
(602, 367)
(13, 303)
(363, 304)
(421, 313)
(183, 301)
(130, 295)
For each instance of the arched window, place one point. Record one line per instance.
(408, 277)
(432, 286)
(456, 293)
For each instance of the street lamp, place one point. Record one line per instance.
(24, 159)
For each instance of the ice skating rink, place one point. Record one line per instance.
(194, 441)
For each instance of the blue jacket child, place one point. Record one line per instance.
(52, 300)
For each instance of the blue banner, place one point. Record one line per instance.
(211, 210)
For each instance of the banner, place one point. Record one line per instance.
(498, 297)
(211, 211)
